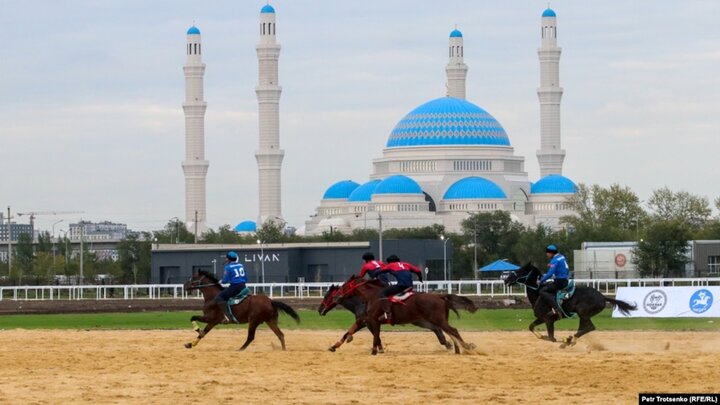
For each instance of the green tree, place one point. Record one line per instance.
(605, 214)
(692, 210)
(23, 257)
(134, 259)
(662, 253)
(495, 234)
(271, 232)
(531, 245)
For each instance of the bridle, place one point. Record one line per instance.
(197, 284)
(342, 291)
(523, 279)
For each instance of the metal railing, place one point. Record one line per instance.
(482, 288)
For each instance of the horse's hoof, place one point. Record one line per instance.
(472, 346)
(381, 351)
(374, 352)
(332, 348)
(188, 345)
(349, 338)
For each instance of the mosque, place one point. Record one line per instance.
(445, 160)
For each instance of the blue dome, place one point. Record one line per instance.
(246, 226)
(267, 9)
(448, 121)
(341, 189)
(364, 192)
(553, 184)
(456, 34)
(548, 13)
(193, 30)
(398, 184)
(471, 188)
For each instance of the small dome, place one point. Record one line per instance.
(448, 121)
(364, 192)
(267, 9)
(193, 31)
(471, 188)
(553, 184)
(548, 13)
(246, 226)
(398, 184)
(455, 34)
(341, 189)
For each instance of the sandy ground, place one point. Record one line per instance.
(117, 367)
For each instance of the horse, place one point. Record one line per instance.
(427, 310)
(335, 295)
(586, 302)
(254, 310)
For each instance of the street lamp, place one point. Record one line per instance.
(262, 260)
(442, 238)
(53, 241)
(380, 235)
(475, 268)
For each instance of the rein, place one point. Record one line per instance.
(524, 280)
(194, 286)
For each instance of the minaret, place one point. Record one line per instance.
(550, 156)
(456, 69)
(194, 166)
(269, 155)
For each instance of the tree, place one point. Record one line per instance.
(134, 258)
(662, 253)
(531, 245)
(692, 210)
(605, 214)
(495, 233)
(271, 232)
(24, 257)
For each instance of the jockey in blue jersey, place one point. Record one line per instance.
(234, 275)
(559, 271)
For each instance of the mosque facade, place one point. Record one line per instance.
(449, 158)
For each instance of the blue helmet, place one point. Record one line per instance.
(232, 256)
(551, 249)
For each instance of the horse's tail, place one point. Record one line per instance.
(287, 309)
(456, 301)
(623, 306)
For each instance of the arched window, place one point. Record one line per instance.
(195, 49)
(199, 48)
(263, 31)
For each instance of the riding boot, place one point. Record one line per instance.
(385, 305)
(222, 304)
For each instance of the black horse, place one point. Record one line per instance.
(586, 302)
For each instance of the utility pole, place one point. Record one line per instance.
(82, 234)
(9, 243)
(195, 226)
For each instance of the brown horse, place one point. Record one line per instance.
(254, 310)
(427, 310)
(355, 304)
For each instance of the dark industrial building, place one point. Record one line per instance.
(293, 262)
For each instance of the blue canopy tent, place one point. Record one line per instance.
(499, 265)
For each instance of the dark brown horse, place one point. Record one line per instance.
(355, 304)
(426, 309)
(254, 310)
(586, 302)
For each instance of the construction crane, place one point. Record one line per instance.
(32, 214)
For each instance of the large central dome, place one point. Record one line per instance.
(448, 121)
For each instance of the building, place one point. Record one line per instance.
(449, 158)
(293, 262)
(13, 230)
(195, 166)
(597, 260)
(97, 231)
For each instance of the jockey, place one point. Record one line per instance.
(372, 268)
(557, 269)
(235, 275)
(402, 271)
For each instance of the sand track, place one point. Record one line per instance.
(43, 366)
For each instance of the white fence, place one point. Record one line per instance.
(482, 288)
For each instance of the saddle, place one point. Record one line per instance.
(402, 296)
(235, 300)
(564, 295)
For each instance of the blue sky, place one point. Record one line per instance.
(91, 117)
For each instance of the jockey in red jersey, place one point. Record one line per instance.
(372, 268)
(402, 271)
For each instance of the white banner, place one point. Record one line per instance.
(670, 302)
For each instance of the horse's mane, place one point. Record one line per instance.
(209, 275)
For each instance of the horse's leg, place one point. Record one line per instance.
(201, 334)
(274, 326)
(437, 331)
(586, 326)
(457, 339)
(252, 325)
(359, 324)
(550, 325)
(374, 327)
(532, 326)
